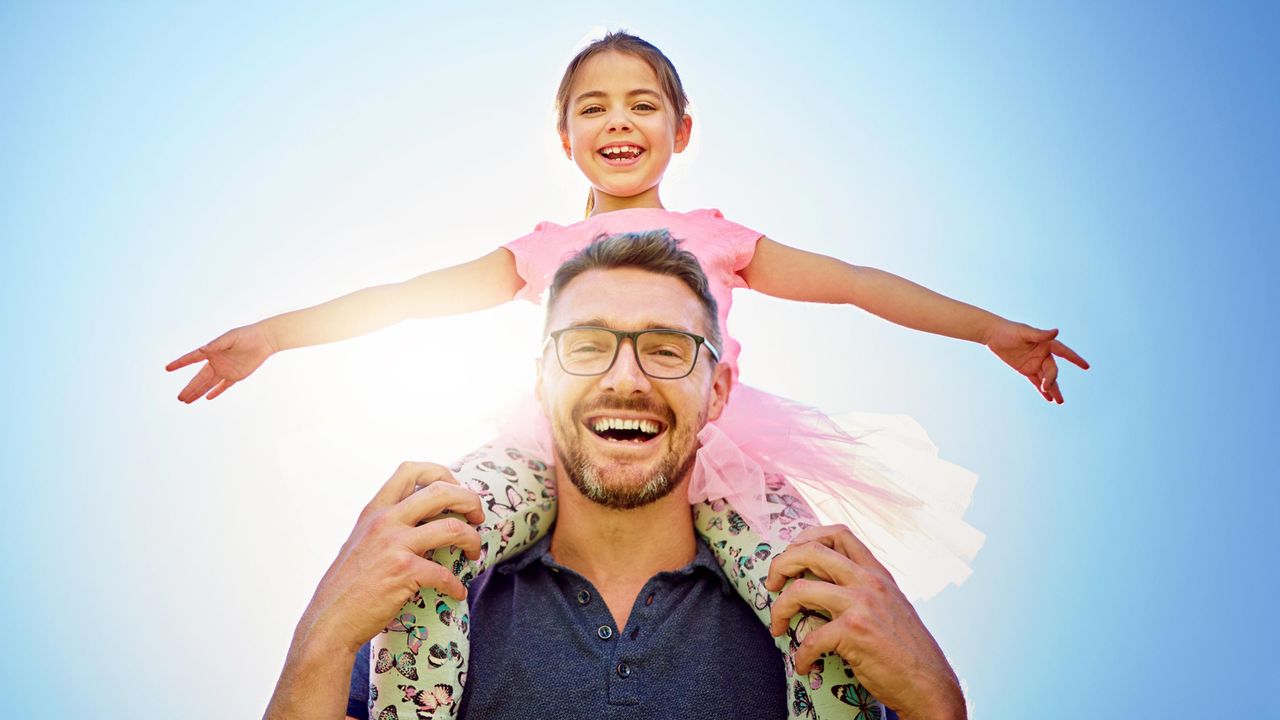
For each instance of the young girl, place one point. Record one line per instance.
(621, 109)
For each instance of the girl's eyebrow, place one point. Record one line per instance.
(601, 94)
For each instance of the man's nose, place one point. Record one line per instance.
(625, 377)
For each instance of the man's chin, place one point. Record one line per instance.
(623, 484)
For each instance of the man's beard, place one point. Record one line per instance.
(671, 468)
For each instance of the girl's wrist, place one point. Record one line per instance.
(989, 328)
(269, 335)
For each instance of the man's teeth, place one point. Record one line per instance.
(649, 427)
(621, 150)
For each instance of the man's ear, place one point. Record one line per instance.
(684, 129)
(721, 386)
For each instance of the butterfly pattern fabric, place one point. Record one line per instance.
(518, 492)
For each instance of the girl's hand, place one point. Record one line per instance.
(1030, 351)
(229, 358)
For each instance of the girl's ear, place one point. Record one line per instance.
(564, 143)
(683, 130)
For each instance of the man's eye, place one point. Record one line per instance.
(585, 349)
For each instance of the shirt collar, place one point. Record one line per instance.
(541, 552)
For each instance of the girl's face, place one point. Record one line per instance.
(622, 131)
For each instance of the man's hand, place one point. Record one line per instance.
(873, 626)
(378, 569)
(382, 565)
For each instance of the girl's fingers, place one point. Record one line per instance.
(1044, 393)
(807, 594)
(220, 343)
(824, 562)
(222, 387)
(1066, 353)
(192, 357)
(1048, 372)
(199, 385)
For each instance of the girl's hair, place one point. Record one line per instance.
(622, 42)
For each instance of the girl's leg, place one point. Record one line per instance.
(830, 688)
(419, 662)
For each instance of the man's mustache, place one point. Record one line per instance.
(638, 405)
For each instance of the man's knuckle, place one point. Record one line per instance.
(401, 565)
(441, 578)
(454, 528)
(878, 583)
(853, 621)
(379, 524)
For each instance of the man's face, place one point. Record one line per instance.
(627, 473)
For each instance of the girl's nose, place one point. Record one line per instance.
(619, 122)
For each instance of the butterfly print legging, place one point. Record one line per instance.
(420, 660)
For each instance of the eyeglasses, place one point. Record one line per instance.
(661, 354)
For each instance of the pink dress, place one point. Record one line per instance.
(877, 474)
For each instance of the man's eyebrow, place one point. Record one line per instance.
(603, 323)
(602, 94)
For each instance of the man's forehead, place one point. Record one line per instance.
(628, 299)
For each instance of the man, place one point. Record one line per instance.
(608, 615)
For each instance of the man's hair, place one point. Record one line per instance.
(654, 251)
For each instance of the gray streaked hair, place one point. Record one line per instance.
(654, 251)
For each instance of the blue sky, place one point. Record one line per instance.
(170, 172)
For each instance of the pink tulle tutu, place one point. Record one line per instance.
(877, 474)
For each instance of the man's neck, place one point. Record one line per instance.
(618, 551)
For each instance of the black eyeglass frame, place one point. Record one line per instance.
(700, 342)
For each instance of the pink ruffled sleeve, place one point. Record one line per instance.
(740, 239)
(527, 255)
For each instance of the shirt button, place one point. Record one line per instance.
(605, 632)
(584, 597)
(624, 670)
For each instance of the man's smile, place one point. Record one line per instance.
(616, 428)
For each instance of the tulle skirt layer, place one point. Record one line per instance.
(880, 475)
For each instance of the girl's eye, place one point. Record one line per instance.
(644, 106)
(592, 109)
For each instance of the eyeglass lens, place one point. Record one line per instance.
(662, 354)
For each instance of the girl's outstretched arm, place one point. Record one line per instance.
(231, 357)
(793, 274)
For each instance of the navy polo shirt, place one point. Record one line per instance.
(543, 644)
